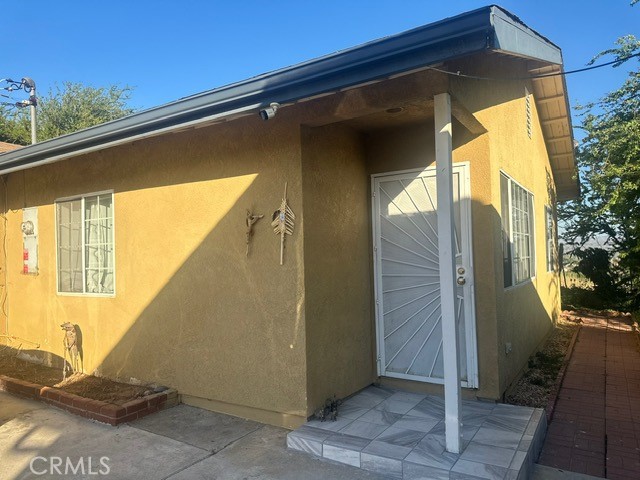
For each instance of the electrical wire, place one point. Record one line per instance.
(13, 86)
(542, 75)
(9, 97)
(15, 83)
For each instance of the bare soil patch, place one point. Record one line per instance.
(81, 384)
(539, 381)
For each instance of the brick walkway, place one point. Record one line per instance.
(595, 428)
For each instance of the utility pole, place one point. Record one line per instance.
(28, 83)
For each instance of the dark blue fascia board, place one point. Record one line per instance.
(514, 37)
(454, 37)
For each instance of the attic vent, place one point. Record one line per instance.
(527, 99)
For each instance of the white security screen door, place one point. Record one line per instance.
(409, 322)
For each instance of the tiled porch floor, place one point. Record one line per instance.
(401, 435)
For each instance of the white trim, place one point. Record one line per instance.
(515, 181)
(415, 378)
(548, 214)
(377, 267)
(509, 207)
(533, 254)
(534, 243)
(525, 282)
(81, 197)
(466, 242)
(398, 174)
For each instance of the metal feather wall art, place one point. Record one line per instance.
(283, 222)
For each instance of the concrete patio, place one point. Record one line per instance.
(401, 435)
(179, 443)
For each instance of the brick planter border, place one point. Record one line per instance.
(88, 408)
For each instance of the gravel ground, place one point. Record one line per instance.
(536, 384)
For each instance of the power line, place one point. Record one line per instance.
(28, 85)
(15, 85)
(542, 75)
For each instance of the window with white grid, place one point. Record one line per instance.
(85, 244)
(550, 237)
(517, 231)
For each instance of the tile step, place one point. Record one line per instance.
(499, 441)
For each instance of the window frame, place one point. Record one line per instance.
(82, 198)
(550, 238)
(532, 233)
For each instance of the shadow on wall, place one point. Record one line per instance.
(36, 357)
(72, 360)
(507, 333)
(192, 310)
(525, 319)
(188, 339)
(217, 324)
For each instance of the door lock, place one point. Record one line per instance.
(461, 281)
(461, 270)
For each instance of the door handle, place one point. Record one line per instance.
(461, 281)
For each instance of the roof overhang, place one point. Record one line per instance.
(485, 29)
(550, 93)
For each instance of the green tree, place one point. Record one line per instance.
(609, 164)
(65, 109)
(15, 126)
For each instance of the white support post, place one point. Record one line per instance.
(448, 291)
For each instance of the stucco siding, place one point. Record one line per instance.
(191, 310)
(339, 325)
(525, 312)
(243, 334)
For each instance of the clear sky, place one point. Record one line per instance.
(168, 50)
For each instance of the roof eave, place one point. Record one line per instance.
(512, 36)
(550, 93)
(487, 28)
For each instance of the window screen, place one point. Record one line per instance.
(85, 244)
(518, 244)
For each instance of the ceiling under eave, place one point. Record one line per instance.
(555, 119)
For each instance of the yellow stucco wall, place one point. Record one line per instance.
(526, 312)
(339, 327)
(4, 320)
(243, 334)
(191, 310)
